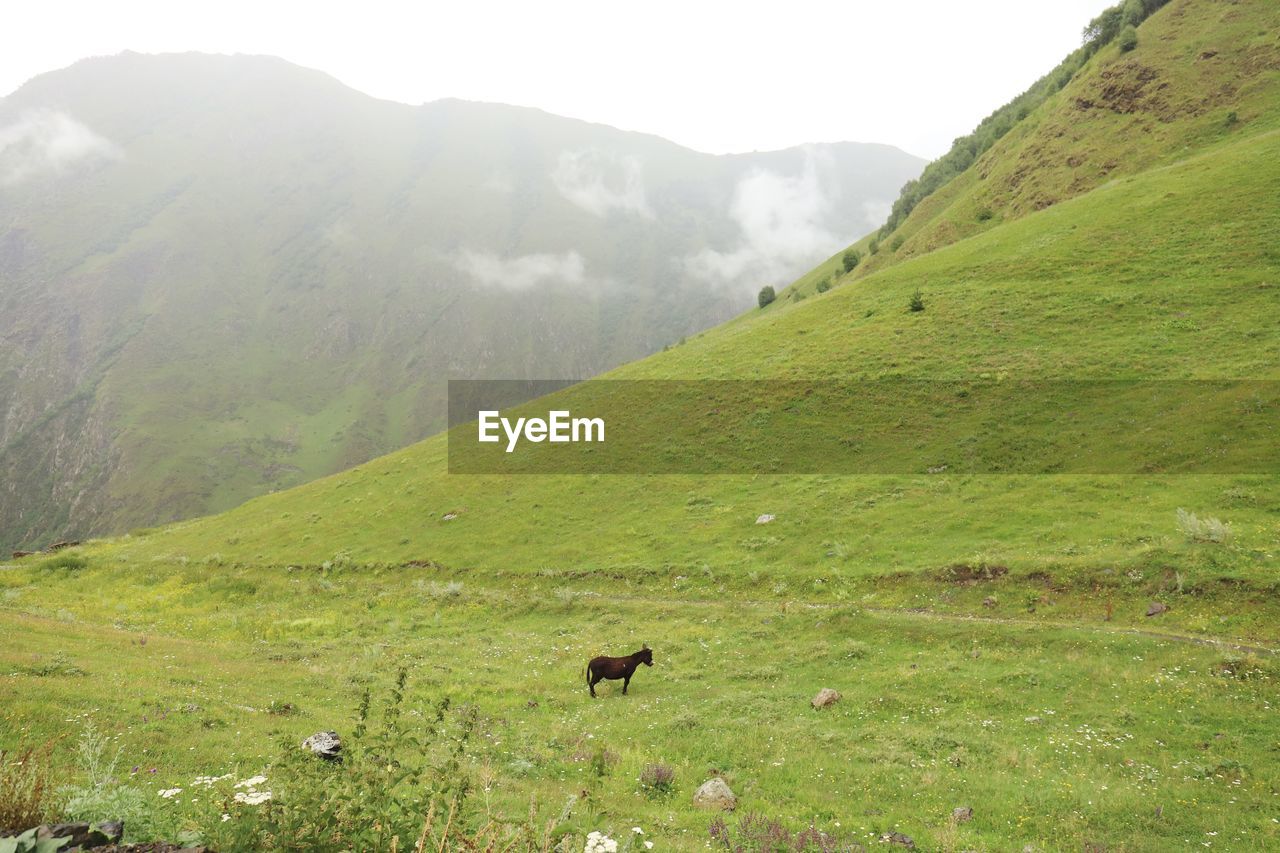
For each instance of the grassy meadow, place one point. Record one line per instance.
(1056, 736)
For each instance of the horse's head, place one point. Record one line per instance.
(645, 656)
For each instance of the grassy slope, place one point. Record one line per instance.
(1197, 65)
(1137, 742)
(1123, 281)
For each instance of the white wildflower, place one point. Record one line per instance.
(253, 798)
(170, 793)
(252, 782)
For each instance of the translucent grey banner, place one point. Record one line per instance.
(896, 426)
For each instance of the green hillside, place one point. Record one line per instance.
(239, 275)
(1201, 73)
(1085, 661)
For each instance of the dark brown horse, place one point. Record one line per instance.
(615, 668)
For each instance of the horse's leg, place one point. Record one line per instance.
(626, 679)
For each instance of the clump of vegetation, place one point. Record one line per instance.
(896, 243)
(26, 789)
(64, 563)
(916, 303)
(101, 796)
(657, 781)
(1128, 39)
(756, 833)
(1247, 667)
(985, 214)
(766, 295)
(59, 664)
(874, 245)
(824, 285)
(850, 259)
(1206, 529)
(393, 776)
(603, 761)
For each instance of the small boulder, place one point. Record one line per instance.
(826, 697)
(989, 601)
(715, 794)
(765, 519)
(1156, 608)
(80, 835)
(962, 814)
(327, 745)
(899, 839)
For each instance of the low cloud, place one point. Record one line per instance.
(48, 142)
(781, 219)
(522, 272)
(876, 212)
(600, 182)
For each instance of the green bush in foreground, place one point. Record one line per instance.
(766, 296)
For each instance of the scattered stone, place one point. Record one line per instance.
(989, 601)
(82, 834)
(826, 697)
(1156, 608)
(715, 794)
(1033, 719)
(962, 814)
(450, 516)
(975, 654)
(327, 745)
(899, 839)
(18, 555)
(936, 469)
(765, 519)
(58, 546)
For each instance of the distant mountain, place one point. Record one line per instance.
(221, 276)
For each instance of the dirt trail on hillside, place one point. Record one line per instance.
(903, 613)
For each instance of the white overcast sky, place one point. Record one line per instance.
(717, 77)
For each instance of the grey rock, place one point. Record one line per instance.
(1156, 608)
(899, 839)
(765, 519)
(327, 745)
(960, 814)
(715, 794)
(825, 698)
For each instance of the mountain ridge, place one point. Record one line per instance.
(327, 259)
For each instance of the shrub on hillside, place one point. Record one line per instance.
(917, 301)
(1206, 529)
(393, 775)
(756, 833)
(850, 259)
(64, 563)
(1128, 39)
(101, 796)
(26, 789)
(824, 285)
(766, 296)
(657, 781)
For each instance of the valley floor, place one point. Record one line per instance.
(1059, 735)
